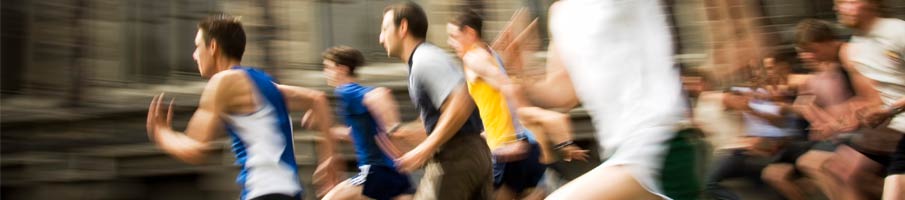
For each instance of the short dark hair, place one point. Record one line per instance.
(469, 18)
(411, 12)
(345, 55)
(813, 31)
(786, 55)
(879, 8)
(875, 2)
(227, 31)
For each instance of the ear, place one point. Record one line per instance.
(403, 28)
(214, 47)
(343, 68)
(470, 31)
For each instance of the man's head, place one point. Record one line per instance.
(341, 62)
(778, 66)
(402, 21)
(816, 41)
(696, 80)
(464, 30)
(855, 13)
(219, 38)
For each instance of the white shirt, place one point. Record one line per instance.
(878, 55)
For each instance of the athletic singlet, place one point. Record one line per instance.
(364, 127)
(499, 128)
(262, 142)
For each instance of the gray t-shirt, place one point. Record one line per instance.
(433, 75)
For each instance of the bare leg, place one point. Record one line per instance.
(856, 173)
(780, 177)
(810, 164)
(404, 197)
(537, 193)
(894, 187)
(612, 182)
(345, 191)
(504, 193)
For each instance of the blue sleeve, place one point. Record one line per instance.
(354, 100)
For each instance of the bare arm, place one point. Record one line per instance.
(383, 107)
(484, 65)
(455, 111)
(556, 90)
(317, 116)
(487, 69)
(203, 127)
(866, 104)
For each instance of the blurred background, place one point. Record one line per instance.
(77, 76)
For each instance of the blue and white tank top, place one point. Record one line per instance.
(262, 142)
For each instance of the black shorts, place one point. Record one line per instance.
(382, 182)
(522, 174)
(277, 197)
(897, 162)
(879, 157)
(792, 151)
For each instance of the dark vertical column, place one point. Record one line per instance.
(268, 33)
(77, 74)
(14, 34)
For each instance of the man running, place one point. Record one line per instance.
(517, 166)
(250, 106)
(876, 58)
(371, 114)
(458, 159)
(618, 58)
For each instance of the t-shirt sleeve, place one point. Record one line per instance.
(354, 100)
(437, 78)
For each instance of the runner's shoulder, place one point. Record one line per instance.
(227, 80)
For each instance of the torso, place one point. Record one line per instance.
(879, 55)
(262, 138)
(499, 127)
(362, 123)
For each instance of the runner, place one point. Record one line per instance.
(618, 57)
(517, 168)
(371, 114)
(458, 159)
(876, 62)
(252, 108)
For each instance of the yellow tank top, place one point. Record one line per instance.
(499, 128)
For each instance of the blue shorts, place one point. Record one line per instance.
(382, 182)
(522, 174)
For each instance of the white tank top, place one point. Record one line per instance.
(262, 142)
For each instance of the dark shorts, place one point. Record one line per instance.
(460, 170)
(828, 146)
(382, 182)
(897, 163)
(679, 176)
(879, 157)
(522, 174)
(793, 150)
(277, 197)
